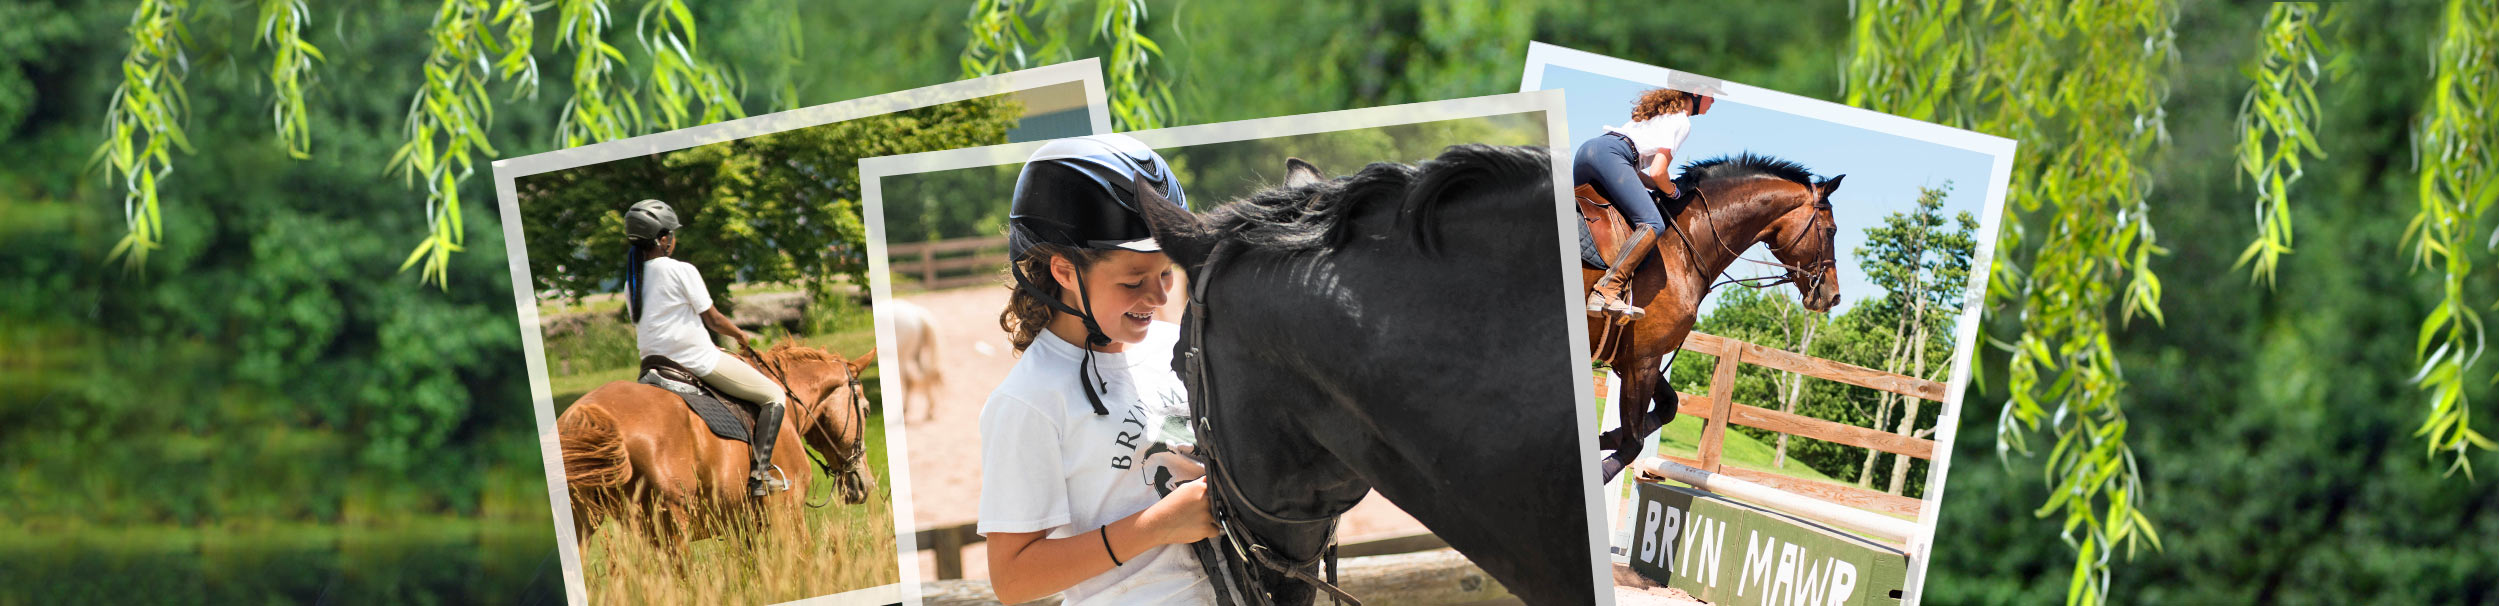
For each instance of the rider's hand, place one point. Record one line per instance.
(1670, 190)
(1181, 517)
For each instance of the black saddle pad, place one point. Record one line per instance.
(1588, 247)
(729, 418)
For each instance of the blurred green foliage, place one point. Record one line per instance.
(972, 202)
(268, 366)
(2273, 427)
(778, 208)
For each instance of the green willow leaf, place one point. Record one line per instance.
(449, 116)
(146, 113)
(2278, 120)
(2080, 87)
(1002, 32)
(281, 30)
(2454, 148)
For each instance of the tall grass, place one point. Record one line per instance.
(832, 550)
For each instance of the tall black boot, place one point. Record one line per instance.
(761, 481)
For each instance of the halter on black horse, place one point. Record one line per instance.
(1235, 548)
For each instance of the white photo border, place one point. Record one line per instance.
(1087, 72)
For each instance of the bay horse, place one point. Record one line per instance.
(1742, 201)
(1399, 329)
(630, 447)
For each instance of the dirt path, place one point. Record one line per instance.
(944, 452)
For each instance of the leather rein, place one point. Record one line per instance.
(859, 406)
(1229, 500)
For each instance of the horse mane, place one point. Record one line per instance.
(1314, 216)
(787, 351)
(1746, 164)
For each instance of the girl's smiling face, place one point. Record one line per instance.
(1127, 289)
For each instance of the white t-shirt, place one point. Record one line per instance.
(673, 300)
(1048, 463)
(1659, 132)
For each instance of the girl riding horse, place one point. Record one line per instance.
(1082, 490)
(672, 313)
(1625, 164)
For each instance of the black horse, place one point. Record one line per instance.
(1401, 329)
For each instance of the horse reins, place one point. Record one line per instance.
(1692, 257)
(1227, 491)
(1710, 217)
(859, 405)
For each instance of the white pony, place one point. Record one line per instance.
(915, 333)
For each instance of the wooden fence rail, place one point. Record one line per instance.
(943, 264)
(1720, 410)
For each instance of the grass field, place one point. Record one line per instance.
(1682, 438)
(843, 548)
(836, 549)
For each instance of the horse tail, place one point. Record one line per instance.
(594, 452)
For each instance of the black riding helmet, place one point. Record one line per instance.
(1083, 193)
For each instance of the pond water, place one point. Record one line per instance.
(444, 562)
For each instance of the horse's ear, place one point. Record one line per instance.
(861, 363)
(1823, 189)
(1299, 173)
(1176, 230)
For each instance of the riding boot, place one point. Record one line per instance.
(761, 480)
(1608, 297)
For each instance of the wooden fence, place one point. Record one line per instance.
(943, 264)
(1720, 409)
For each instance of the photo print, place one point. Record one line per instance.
(1781, 311)
(699, 333)
(1332, 355)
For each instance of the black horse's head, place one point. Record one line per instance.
(1343, 338)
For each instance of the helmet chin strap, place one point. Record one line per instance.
(1094, 337)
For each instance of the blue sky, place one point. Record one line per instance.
(1885, 171)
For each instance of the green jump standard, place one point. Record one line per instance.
(1733, 554)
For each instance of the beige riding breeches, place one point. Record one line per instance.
(734, 376)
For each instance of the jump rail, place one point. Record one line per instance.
(1877, 525)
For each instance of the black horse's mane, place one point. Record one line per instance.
(1314, 216)
(1742, 165)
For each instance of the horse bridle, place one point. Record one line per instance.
(1227, 493)
(859, 406)
(1813, 272)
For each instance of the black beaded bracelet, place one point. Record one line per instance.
(1106, 548)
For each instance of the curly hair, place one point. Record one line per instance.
(1026, 314)
(1661, 101)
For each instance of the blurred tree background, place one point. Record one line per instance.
(972, 202)
(265, 410)
(777, 208)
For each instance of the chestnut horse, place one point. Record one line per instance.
(1743, 201)
(630, 447)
